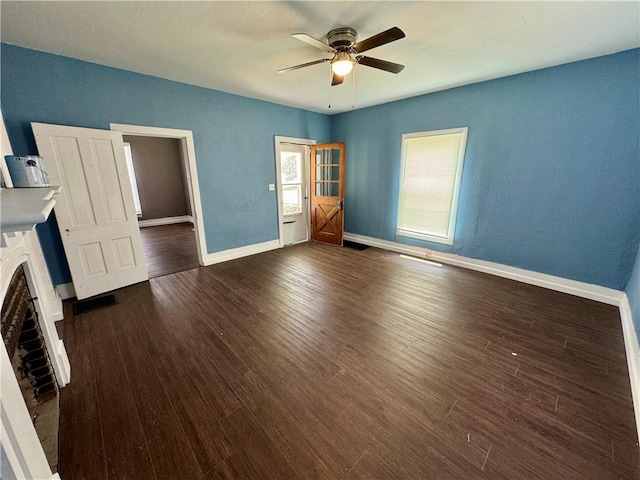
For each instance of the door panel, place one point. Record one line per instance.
(79, 205)
(327, 197)
(93, 263)
(123, 252)
(95, 211)
(108, 181)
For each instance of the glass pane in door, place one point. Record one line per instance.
(292, 199)
(335, 157)
(291, 165)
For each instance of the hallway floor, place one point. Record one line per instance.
(169, 248)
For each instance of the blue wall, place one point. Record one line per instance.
(551, 181)
(633, 293)
(233, 135)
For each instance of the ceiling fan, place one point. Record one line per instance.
(341, 42)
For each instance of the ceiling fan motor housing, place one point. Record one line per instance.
(342, 38)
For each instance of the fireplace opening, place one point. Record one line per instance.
(27, 350)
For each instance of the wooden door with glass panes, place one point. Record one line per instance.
(327, 192)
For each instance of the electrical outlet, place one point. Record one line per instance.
(272, 187)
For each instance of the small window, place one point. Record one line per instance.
(132, 178)
(430, 184)
(291, 165)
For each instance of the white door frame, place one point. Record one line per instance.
(278, 141)
(189, 161)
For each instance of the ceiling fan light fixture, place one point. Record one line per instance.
(342, 64)
(341, 42)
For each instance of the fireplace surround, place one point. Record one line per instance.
(21, 452)
(23, 338)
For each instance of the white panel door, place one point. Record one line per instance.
(95, 211)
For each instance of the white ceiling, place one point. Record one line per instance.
(237, 46)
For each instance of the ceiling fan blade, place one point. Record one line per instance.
(302, 65)
(380, 64)
(314, 42)
(336, 80)
(382, 38)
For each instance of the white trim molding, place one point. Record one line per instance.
(24, 454)
(25, 457)
(48, 298)
(191, 171)
(5, 149)
(559, 284)
(155, 222)
(632, 347)
(573, 287)
(424, 232)
(24, 249)
(234, 253)
(279, 141)
(66, 290)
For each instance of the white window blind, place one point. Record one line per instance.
(430, 184)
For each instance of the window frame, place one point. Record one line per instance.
(128, 154)
(300, 183)
(449, 238)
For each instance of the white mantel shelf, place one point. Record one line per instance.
(22, 208)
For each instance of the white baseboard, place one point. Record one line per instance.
(57, 314)
(66, 290)
(632, 348)
(580, 289)
(63, 372)
(233, 253)
(155, 222)
(573, 287)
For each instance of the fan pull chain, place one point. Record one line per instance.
(330, 83)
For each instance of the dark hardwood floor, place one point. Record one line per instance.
(316, 361)
(169, 248)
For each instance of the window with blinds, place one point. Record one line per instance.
(430, 184)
